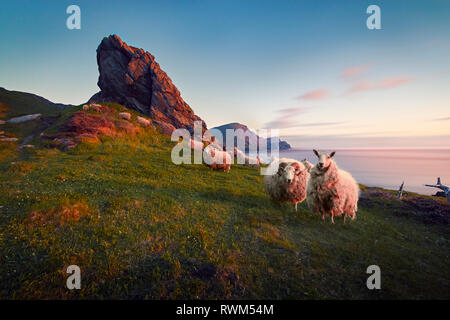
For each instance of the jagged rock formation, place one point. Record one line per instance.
(131, 77)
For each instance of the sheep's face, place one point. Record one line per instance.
(288, 171)
(324, 160)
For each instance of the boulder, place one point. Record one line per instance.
(23, 146)
(9, 139)
(24, 118)
(131, 77)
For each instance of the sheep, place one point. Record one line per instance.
(288, 181)
(248, 161)
(214, 143)
(331, 190)
(142, 121)
(195, 144)
(124, 115)
(307, 164)
(217, 159)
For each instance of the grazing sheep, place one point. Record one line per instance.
(214, 143)
(248, 161)
(124, 115)
(142, 121)
(331, 190)
(288, 183)
(217, 159)
(195, 145)
(85, 107)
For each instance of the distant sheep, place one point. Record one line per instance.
(217, 159)
(248, 161)
(331, 190)
(124, 115)
(288, 181)
(195, 145)
(142, 121)
(214, 143)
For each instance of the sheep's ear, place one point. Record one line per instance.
(281, 167)
(332, 154)
(316, 153)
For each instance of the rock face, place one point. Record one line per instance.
(131, 77)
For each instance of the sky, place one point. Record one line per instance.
(311, 69)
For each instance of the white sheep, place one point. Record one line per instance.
(331, 190)
(247, 161)
(195, 144)
(288, 181)
(217, 159)
(142, 121)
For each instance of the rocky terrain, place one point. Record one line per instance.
(131, 77)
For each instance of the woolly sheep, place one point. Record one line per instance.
(248, 161)
(214, 143)
(125, 115)
(288, 181)
(142, 121)
(217, 159)
(195, 144)
(331, 190)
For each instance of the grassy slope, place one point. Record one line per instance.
(141, 227)
(15, 104)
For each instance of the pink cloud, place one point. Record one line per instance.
(393, 82)
(353, 71)
(382, 84)
(316, 94)
(361, 86)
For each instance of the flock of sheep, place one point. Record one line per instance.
(327, 189)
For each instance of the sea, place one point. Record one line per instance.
(388, 168)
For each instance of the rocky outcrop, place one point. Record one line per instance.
(131, 77)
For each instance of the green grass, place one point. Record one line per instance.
(15, 104)
(139, 226)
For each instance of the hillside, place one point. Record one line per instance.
(15, 104)
(141, 227)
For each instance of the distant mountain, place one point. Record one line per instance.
(131, 77)
(235, 125)
(18, 103)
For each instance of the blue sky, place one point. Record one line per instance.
(311, 68)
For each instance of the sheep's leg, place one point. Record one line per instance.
(332, 218)
(344, 218)
(296, 207)
(323, 215)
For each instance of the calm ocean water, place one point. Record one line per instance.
(388, 168)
